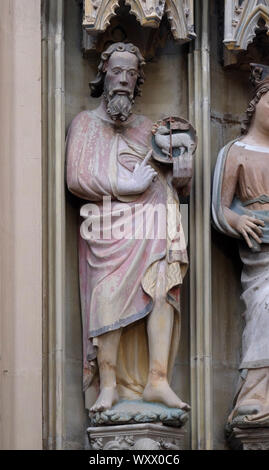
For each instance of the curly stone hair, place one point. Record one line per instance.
(97, 85)
(260, 90)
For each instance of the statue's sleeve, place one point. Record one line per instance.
(218, 217)
(75, 140)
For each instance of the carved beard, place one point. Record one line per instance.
(118, 106)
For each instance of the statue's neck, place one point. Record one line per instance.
(256, 136)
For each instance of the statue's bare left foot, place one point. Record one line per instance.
(161, 392)
(107, 398)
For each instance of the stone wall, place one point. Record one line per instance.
(21, 226)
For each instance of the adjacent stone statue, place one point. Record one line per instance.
(130, 273)
(241, 210)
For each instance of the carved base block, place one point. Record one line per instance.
(139, 412)
(136, 437)
(249, 439)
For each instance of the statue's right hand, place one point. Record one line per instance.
(249, 227)
(142, 176)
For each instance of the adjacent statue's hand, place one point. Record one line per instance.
(142, 176)
(249, 227)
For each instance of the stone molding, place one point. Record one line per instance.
(136, 437)
(241, 22)
(149, 13)
(249, 438)
(200, 236)
(53, 147)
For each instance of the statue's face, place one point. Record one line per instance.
(120, 80)
(261, 117)
(121, 73)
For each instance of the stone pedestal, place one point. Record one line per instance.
(145, 436)
(249, 438)
(137, 425)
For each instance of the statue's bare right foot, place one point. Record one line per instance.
(161, 392)
(107, 398)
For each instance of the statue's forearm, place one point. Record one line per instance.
(231, 217)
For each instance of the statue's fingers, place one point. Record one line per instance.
(256, 221)
(259, 222)
(150, 178)
(258, 231)
(253, 235)
(245, 235)
(149, 171)
(255, 227)
(146, 159)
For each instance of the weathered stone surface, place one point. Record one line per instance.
(242, 22)
(136, 437)
(138, 411)
(98, 14)
(242, 422)
(249, 438)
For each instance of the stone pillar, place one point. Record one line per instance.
(200, 239)
(21, 224)
(54, 221)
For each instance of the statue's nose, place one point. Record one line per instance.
(123, 78)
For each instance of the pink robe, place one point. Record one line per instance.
(118, 276)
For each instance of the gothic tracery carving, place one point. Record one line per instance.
(242, 20)
(98, 13)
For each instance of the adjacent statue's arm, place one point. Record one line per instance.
(244, 224)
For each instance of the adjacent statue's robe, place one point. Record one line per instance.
(252, 189)
(118, 276)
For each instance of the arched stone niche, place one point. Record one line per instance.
(164, 93)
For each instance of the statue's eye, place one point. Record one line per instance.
(132, 73)
(116, 71)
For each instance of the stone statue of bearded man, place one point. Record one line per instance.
(129, 284)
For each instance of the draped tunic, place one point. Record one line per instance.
(118, 273)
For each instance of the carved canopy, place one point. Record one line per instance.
(241, 21)
(98, 13)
